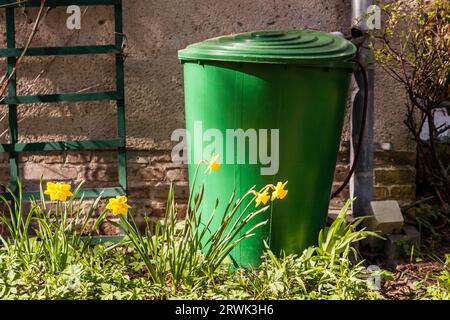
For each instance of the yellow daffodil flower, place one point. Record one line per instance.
(58, 191)
(213, 164)
(118, 205)
(262, 197)
(279, 191)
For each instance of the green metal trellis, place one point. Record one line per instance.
(12, 100)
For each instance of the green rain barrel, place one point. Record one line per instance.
(290, 87)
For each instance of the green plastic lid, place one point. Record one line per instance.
(274, 46)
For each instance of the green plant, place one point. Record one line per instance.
(428, 217)
(175, 258)
(337, 239)
(440, 289)
(63, 230)
(175, 250)
(17, 225)
(325, 271)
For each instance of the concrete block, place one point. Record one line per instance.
(400, 245)
(373, 245)
(385, 217)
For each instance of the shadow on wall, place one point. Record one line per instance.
(155, 31)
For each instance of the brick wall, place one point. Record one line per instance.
(150, 173)
(149, 176)
(394, 175)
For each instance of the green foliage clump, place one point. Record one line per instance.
(440, 289)
(57, 263)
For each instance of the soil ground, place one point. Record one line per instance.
(413, 273)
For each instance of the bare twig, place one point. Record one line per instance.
(414, 50)
(7, 78)
(13, 3)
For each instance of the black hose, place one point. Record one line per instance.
(361, 132)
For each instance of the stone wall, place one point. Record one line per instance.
(394, 175)
(150, 173)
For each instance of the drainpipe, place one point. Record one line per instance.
(361, 184)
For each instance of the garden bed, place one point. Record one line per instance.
(58, 263)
